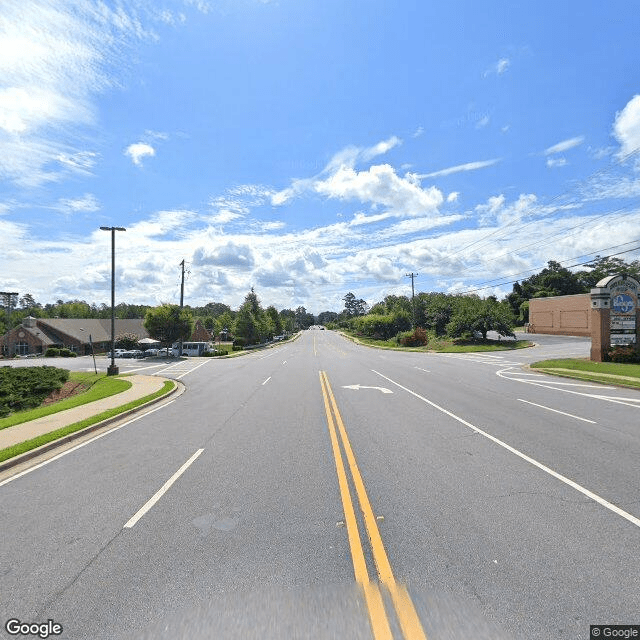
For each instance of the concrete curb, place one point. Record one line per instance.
(178, 390)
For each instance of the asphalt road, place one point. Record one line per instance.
(273, 497)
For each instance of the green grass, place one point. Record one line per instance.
(28, 445)
(627, 375)
(101, 386)
(442, 345)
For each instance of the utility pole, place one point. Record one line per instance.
(181, 305)
(413, 296)
(10, 298)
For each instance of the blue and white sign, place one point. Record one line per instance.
(623, 303)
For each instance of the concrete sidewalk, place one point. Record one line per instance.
(141, 386)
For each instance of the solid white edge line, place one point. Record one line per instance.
(267, 380)
(557, 411)
(163, 489)
(82, 444)
(535, 463)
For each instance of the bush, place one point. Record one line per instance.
(416, 338)
(237, 347)
(67, 353)
(52, 352)
(26, 387)
(627, 355)
(239, 342)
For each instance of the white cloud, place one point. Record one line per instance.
(138, 151)
(626, 127)
(483, 122)
(347, 158)
(228, 255)
(418, 132)
(565, 145)
(87, 203)
(497, 211)
(469, 166)
(499, 67)
(556, 162)
(55, 58)
(453, 196)
(381, 186)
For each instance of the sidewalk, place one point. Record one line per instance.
(141, 386)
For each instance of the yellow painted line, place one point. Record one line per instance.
(407, 615)
(373, 597)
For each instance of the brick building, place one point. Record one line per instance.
(561, 315)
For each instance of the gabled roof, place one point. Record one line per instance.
(99, 329)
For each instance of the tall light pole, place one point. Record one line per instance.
(112, 370)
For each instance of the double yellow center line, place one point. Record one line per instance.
(405, 611)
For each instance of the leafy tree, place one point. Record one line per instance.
(434, 311)
(127, 341)
(250, 323)
(303, 319)
(169, 323)
(275, 322)
(288, 319)
(325, 317)
(600, 268)
(354, 306)
(476, 315)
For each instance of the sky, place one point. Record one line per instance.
(308, 149)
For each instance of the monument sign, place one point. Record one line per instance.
(614, 314)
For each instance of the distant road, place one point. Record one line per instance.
(324, 489)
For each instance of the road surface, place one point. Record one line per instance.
(322, 489)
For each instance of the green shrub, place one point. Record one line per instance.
(67, 353)
(239, 342)
(237, 347)
(26, 387)
(52, 352)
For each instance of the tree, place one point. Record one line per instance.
(325, 317)
(474, 315)
(169, 323)
(303, 319)
(275, 323)
(127, 341)
(354, 306)
(250, 321)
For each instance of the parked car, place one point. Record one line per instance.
(133, 353)
(117, 353)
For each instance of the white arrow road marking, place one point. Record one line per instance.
(360, 386)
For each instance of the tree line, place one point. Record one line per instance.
(443, 314)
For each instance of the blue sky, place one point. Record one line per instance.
(309, 149)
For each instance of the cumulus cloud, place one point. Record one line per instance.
(346, 158)
(228, 255)
(138, 151)
(499, 67)
(626, 127)
(381, 186)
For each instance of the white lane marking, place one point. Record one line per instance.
(267, 380)
(535, 463)
(82, 444)
(557, 411)
(163, 489)
(357, 387)
(421, 369)
(285, 362)
(151, 366)
(192, 370)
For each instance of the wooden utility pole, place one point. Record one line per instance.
(413, 297)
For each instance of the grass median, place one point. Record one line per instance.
(28, 445)
(626, 375)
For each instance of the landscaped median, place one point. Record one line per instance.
(625, 375)
(101, 388)
(440, 344)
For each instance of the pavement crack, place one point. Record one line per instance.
(51, 600)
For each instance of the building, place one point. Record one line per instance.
(36, 335)
(561, 315)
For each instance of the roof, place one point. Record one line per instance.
(99, 329)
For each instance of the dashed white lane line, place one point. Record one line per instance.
(267, 380)
(163, 489)
(574, 485)
(564, 413)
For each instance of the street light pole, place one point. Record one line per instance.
(112, 370)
